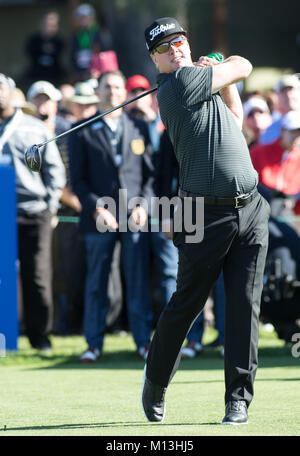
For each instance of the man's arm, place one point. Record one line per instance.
(224, 75)
(231, 98)
(230, 71)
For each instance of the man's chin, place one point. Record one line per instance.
(179, 63)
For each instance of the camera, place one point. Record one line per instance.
(278, 285)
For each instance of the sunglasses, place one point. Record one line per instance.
(164, 47)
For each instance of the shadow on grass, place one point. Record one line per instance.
(210, 359)
(101, 425)
(128, 360)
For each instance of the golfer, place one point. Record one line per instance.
(202, 112)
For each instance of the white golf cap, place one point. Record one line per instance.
(287, 81)
(7, 80)
(291, 120)
(45, 87)
(255, 103)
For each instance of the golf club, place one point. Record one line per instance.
(32, 155)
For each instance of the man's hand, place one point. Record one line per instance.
(105, 219)
(206, 61)
(70, 199)
(167, 228)
(139, 215)
(222, 83)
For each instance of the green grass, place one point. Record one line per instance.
(58, 396)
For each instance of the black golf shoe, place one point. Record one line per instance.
(236, 413)
(153, 401)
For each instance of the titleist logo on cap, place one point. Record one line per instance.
(159, 29)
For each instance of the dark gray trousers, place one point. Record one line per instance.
(34, 245)
(235, 240)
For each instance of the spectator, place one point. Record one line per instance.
(86, 41)
(37, 201)
(145, 108)
(278, 165)
(44, 50)
(67, 91)
(288, 92)
(162, 249)
(281, 295)
(68, 251)
(19, 101)
(257, 118)
(110, 155)
(271, 98)
(142, 108)
(84, 102)
(45, 97)
(82, 105)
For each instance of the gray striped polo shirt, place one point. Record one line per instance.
(211, 150)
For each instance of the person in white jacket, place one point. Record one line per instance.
(38, 197)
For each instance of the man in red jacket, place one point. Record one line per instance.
(278, 166)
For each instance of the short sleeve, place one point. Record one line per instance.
(192, 85)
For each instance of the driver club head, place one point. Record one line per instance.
(33, 158)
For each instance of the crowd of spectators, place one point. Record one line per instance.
(79, 278)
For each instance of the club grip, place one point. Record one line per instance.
(216, 55)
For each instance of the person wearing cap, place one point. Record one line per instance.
(277, 164)
(144, 107)
(288, 98)
(201, 109)
(68, 252)
(257, 118)
(45, 97)
(38, 197)
(84, 102)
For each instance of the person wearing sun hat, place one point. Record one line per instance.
(84, 94)
(84, 102)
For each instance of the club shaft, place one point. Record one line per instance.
(99, 116)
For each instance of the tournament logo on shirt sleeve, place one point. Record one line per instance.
(137, 146)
